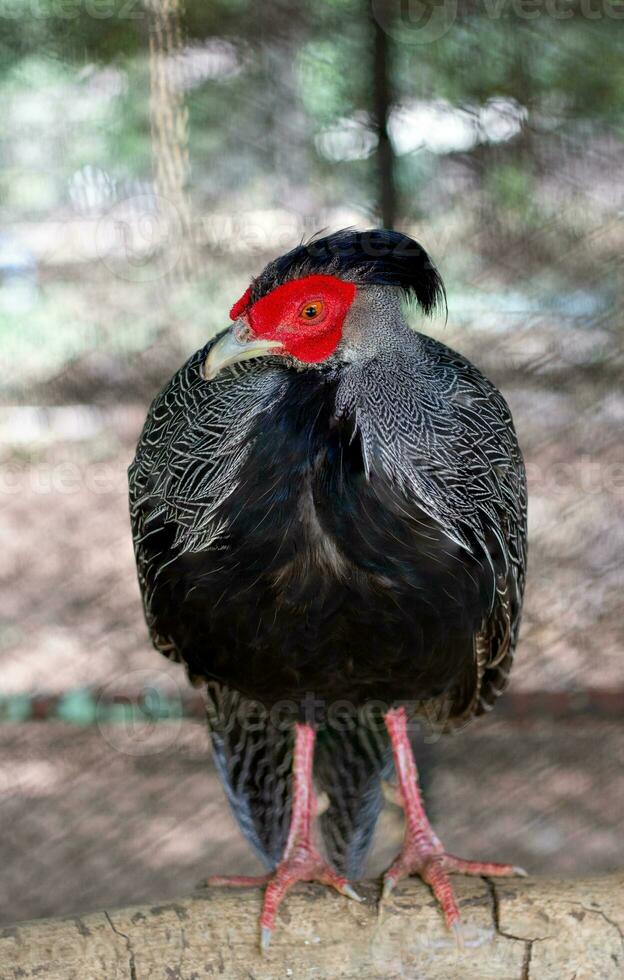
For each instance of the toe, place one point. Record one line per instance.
(482, 869)
(326, 875)
(234, 881)
(439, 882)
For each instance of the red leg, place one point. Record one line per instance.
(300, 861)
(422, 852)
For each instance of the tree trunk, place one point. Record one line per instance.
(521, 929)
(170, 151)
(382, 103)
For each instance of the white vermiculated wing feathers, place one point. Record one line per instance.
(441, 433)
(193, 445)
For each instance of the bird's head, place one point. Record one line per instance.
(332, 300)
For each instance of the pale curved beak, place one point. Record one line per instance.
(238, 344)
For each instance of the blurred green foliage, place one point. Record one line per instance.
(294, 71)
(501, 125)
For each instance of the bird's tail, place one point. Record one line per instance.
(254, 755)
(254, 759)
(349, 766)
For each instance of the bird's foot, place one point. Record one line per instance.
(300, 860)
(424, 857)
(303, 863)
(422, 853)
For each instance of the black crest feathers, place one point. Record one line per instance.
(377, 256)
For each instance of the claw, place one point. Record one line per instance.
(517, 870)
(388, 888)
(351, 893)
(265, 938)
(458, 933)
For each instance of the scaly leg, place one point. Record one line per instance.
(300, 861)
(422, 852)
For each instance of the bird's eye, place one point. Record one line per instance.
(312, 310)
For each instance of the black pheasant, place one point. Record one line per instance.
(329, 518)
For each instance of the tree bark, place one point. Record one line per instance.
(520, 929)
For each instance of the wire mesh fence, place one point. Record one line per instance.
(130, 226)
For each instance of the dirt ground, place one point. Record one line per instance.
(86, 825)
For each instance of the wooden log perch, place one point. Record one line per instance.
(529, 929)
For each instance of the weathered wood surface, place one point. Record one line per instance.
(529, 929)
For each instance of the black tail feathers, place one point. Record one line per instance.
(254, 755)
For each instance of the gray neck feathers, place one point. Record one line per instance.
(376, 325)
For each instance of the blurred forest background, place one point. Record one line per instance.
(152, 159)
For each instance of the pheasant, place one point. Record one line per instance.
(329, 520)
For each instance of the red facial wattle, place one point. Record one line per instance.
(306, 315)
